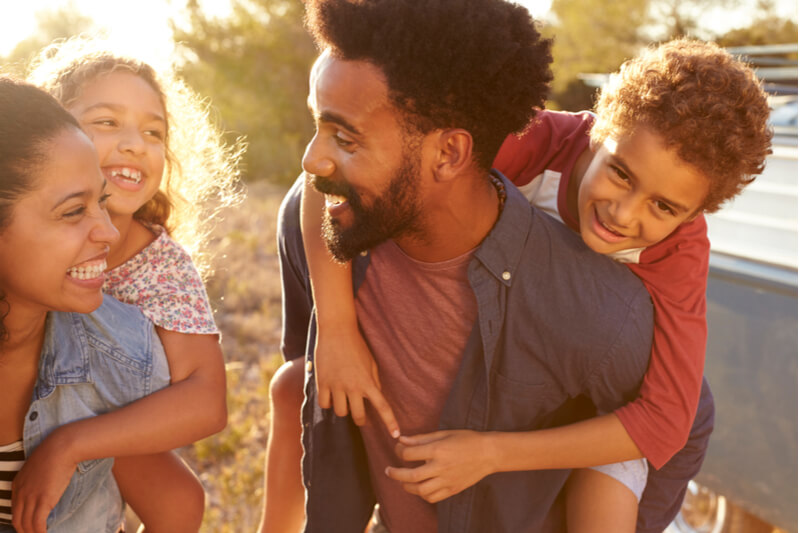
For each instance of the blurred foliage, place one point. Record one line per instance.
(254, 65)
(593, 36)
(59, 23)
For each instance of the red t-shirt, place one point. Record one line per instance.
(674, 271)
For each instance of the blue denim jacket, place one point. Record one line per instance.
(91, 364)
(557, 324)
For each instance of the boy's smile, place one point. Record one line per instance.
(636, 192)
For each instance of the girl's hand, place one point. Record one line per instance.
(346, 374)
(39, 485)
(454, 460)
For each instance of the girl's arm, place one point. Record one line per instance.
(192, 407)
(345, 370)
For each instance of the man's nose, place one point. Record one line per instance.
(315, 159)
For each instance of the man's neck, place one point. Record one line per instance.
(457, 217)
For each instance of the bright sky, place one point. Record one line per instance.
(143, 24)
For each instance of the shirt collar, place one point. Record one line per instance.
(500, 251)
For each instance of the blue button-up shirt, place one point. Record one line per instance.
(558, 327)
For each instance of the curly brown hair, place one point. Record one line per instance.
(474, 64)
(201, 171)
(706, 105)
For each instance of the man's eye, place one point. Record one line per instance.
(344, 143)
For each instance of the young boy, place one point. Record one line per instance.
(678, 131)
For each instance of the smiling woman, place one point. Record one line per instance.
(55, 235)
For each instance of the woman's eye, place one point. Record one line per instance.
(103, 201)
(78, 211)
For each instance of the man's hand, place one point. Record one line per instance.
(454, 460)
(347, 374)
(39, 485)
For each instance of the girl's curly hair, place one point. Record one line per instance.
(705, 104)
(201, 171)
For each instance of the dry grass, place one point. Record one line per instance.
(246, 296)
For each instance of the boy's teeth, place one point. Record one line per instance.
(91, 271)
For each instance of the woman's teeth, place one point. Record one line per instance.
(127, 173)
(91, 271)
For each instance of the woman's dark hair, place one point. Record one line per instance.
(480, 65)
(29, 119)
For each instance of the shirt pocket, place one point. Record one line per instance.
(520, 405)
(87, 478)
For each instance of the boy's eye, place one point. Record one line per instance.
(619, 173)
(664, 207)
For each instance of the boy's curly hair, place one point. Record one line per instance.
(200, 172)
(480, 65)
(706, 105)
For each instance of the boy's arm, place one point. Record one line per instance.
(346, 373)
(457, 459)
(675, 273)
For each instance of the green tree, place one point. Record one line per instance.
(254, 65)
(60, 23)
(592, 36)
(766, 28)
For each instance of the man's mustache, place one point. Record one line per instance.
(328, 186)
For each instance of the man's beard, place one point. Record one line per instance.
(395, 213)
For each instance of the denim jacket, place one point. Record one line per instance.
(91, 364)
(557, 324)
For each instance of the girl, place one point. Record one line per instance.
(62, 368)
(680, 129)
(162, 161)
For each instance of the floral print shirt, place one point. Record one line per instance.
(164, 284)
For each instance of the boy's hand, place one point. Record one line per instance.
(454, 460)
(39, 485)
(346, 374)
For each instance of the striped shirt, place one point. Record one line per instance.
(12, 457)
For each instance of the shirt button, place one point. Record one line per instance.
(364, 253)
(33, 416)
(309, 366)
(506, 275)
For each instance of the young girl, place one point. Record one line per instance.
(67, 377)
(679, 130)
(163, 162)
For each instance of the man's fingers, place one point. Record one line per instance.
(357, 409)
(384, 411)
(324, 397)
(340, 403)
(423, 438)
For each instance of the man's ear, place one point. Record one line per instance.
(454, 154)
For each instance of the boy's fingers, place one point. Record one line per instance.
(384, 411)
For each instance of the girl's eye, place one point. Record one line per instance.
(104, 122)
(156, 134)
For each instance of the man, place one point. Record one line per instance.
(484, 316)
